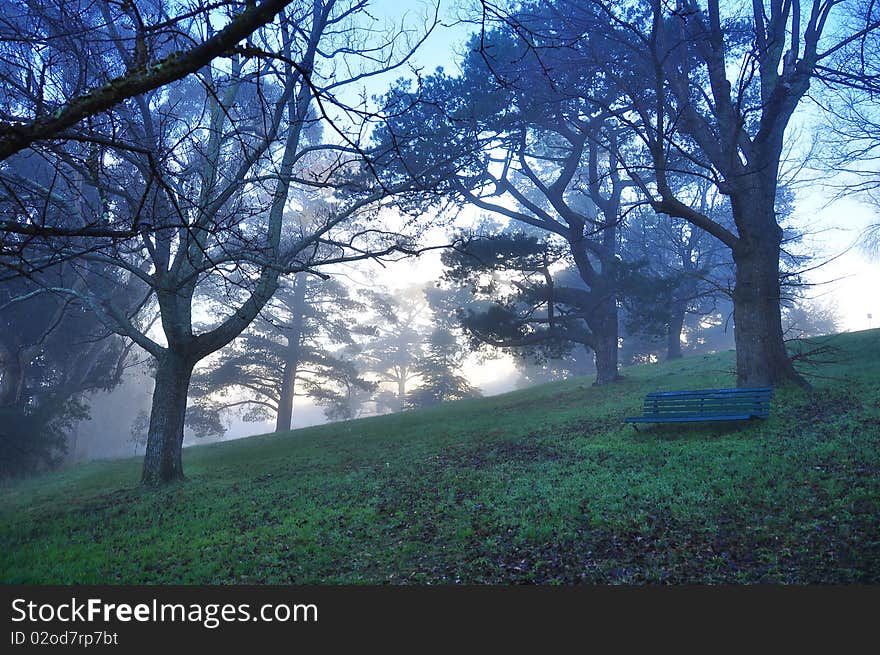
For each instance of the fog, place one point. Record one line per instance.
(107, 434)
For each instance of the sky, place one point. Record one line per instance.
(852, 279)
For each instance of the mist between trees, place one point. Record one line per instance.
(194, 193)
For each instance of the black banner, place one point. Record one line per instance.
(123, 619)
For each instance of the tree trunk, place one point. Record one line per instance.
(162, 460)
(676, 323)
(603, 325)
(296, 303)
(401, 390)
(11, 378)
(284, 418)
(606, 362)
(761, 357)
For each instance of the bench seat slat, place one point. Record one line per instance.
(703, 401)
(654, 409)
(704, 392)
(719, 396)
(708, 403)
(711, 395)
(749, 412)
(697, 401)
(679, 411)
(731, 396)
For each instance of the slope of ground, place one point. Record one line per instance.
(543, 485)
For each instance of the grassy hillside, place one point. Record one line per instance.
(542, 485)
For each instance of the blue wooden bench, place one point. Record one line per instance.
(705, 405)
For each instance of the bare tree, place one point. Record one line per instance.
(850, 100)
(160, 48)
(209, 174)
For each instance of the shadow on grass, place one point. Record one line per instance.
(692, 431)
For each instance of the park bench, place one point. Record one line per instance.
(705, 405)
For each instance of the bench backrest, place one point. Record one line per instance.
(710, 402)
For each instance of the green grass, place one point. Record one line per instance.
(544, 485)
